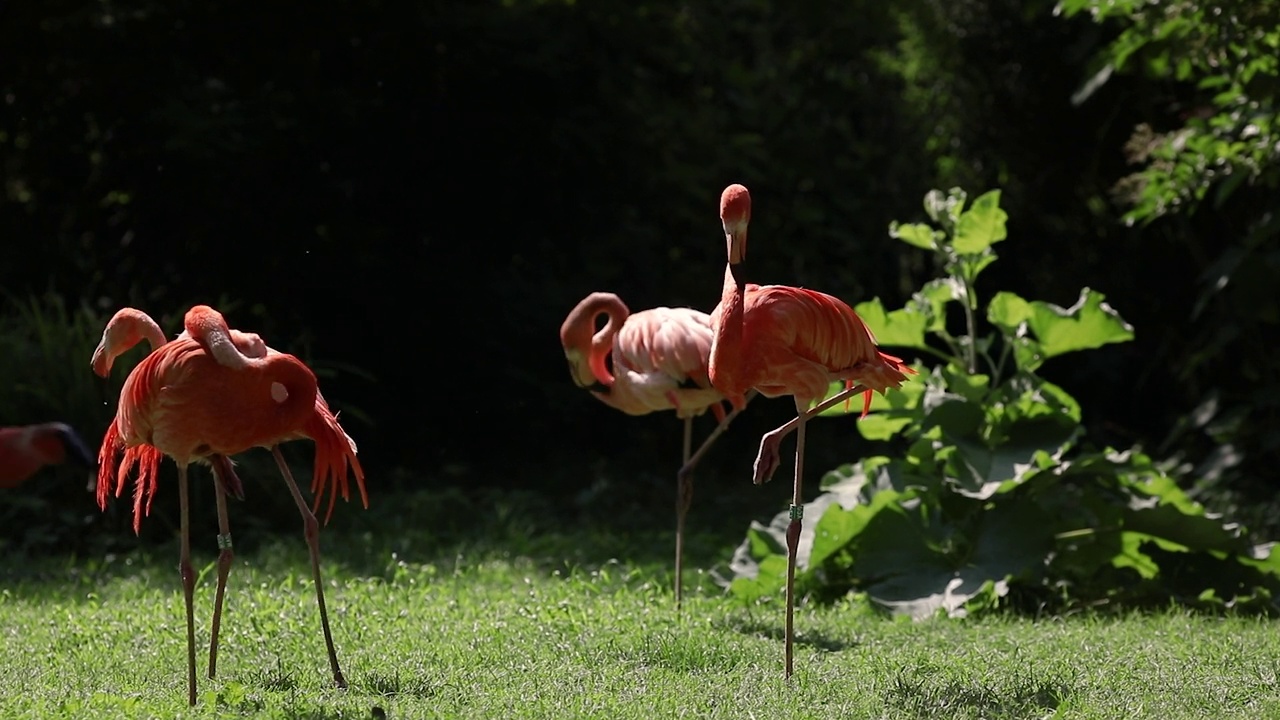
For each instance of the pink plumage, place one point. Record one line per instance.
(659, 357)
(644, 362)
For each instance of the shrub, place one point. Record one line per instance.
(998, 499)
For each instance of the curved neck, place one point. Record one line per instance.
(150, 331)
(207, 327)
(597, 346)
(127, 328)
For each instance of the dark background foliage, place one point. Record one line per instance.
(412, 196)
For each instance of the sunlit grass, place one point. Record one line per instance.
(516, 621)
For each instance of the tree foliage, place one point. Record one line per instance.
(1207, 179)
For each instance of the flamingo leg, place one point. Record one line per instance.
(684, 482)
(684, 498)
(225, 555)
(311, 529)
(691, 462)
(768, 458)
(188, 581)
(793, 534)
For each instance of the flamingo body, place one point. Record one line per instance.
(659, 357)
(783, 340)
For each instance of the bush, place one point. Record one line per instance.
(998, 498)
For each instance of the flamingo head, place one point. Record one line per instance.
(127, 328)
(585, 348)
(56, 442)
(735, 214)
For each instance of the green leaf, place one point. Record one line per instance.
(917, 234)
(1162, 510)
(945, 209)
(980, 471)
(768, 580)
(900, 328)
(981, 226)
(973, 388)
(1027, 397)
(931, 301)
(837, 526)
(1008, 311)
(1090, 323)
(910, 568)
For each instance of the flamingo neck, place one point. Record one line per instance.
(207, 326)
(600, 344)
(127, 328)
(150, 331)
(727, 343)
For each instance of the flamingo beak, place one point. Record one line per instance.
(75, 448)
(579, 371)
(573, 373)
(736, 237)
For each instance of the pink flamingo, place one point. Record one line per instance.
(784, 340)
(659, 362)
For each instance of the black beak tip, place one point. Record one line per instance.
(76, 449)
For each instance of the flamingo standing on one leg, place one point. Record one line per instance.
(659, 359)
(783, 340)
(199, 397)
(26, 449)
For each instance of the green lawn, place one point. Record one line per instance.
(518, 621)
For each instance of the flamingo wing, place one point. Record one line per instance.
(803, 340)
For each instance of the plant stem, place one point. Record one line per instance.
(970, 299)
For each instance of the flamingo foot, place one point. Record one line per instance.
(769, 457)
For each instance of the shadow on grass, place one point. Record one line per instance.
(774, 631)
(607, 522)
(925, 692)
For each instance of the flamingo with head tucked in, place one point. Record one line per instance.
(644, 362)
(201, 396)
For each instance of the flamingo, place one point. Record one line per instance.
(25, 449)
(127, 328)
(201, 396)
(130, 326)
(783, 340)
(660, 360)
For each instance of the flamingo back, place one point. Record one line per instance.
(660, 359)
(802, 340)
(182, 401)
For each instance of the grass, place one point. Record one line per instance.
(515, 619)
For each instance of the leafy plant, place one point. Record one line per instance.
(997, 499)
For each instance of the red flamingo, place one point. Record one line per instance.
(200, 396)
(659, 362)
(127, 328)
(25, 449)
(784, 340)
